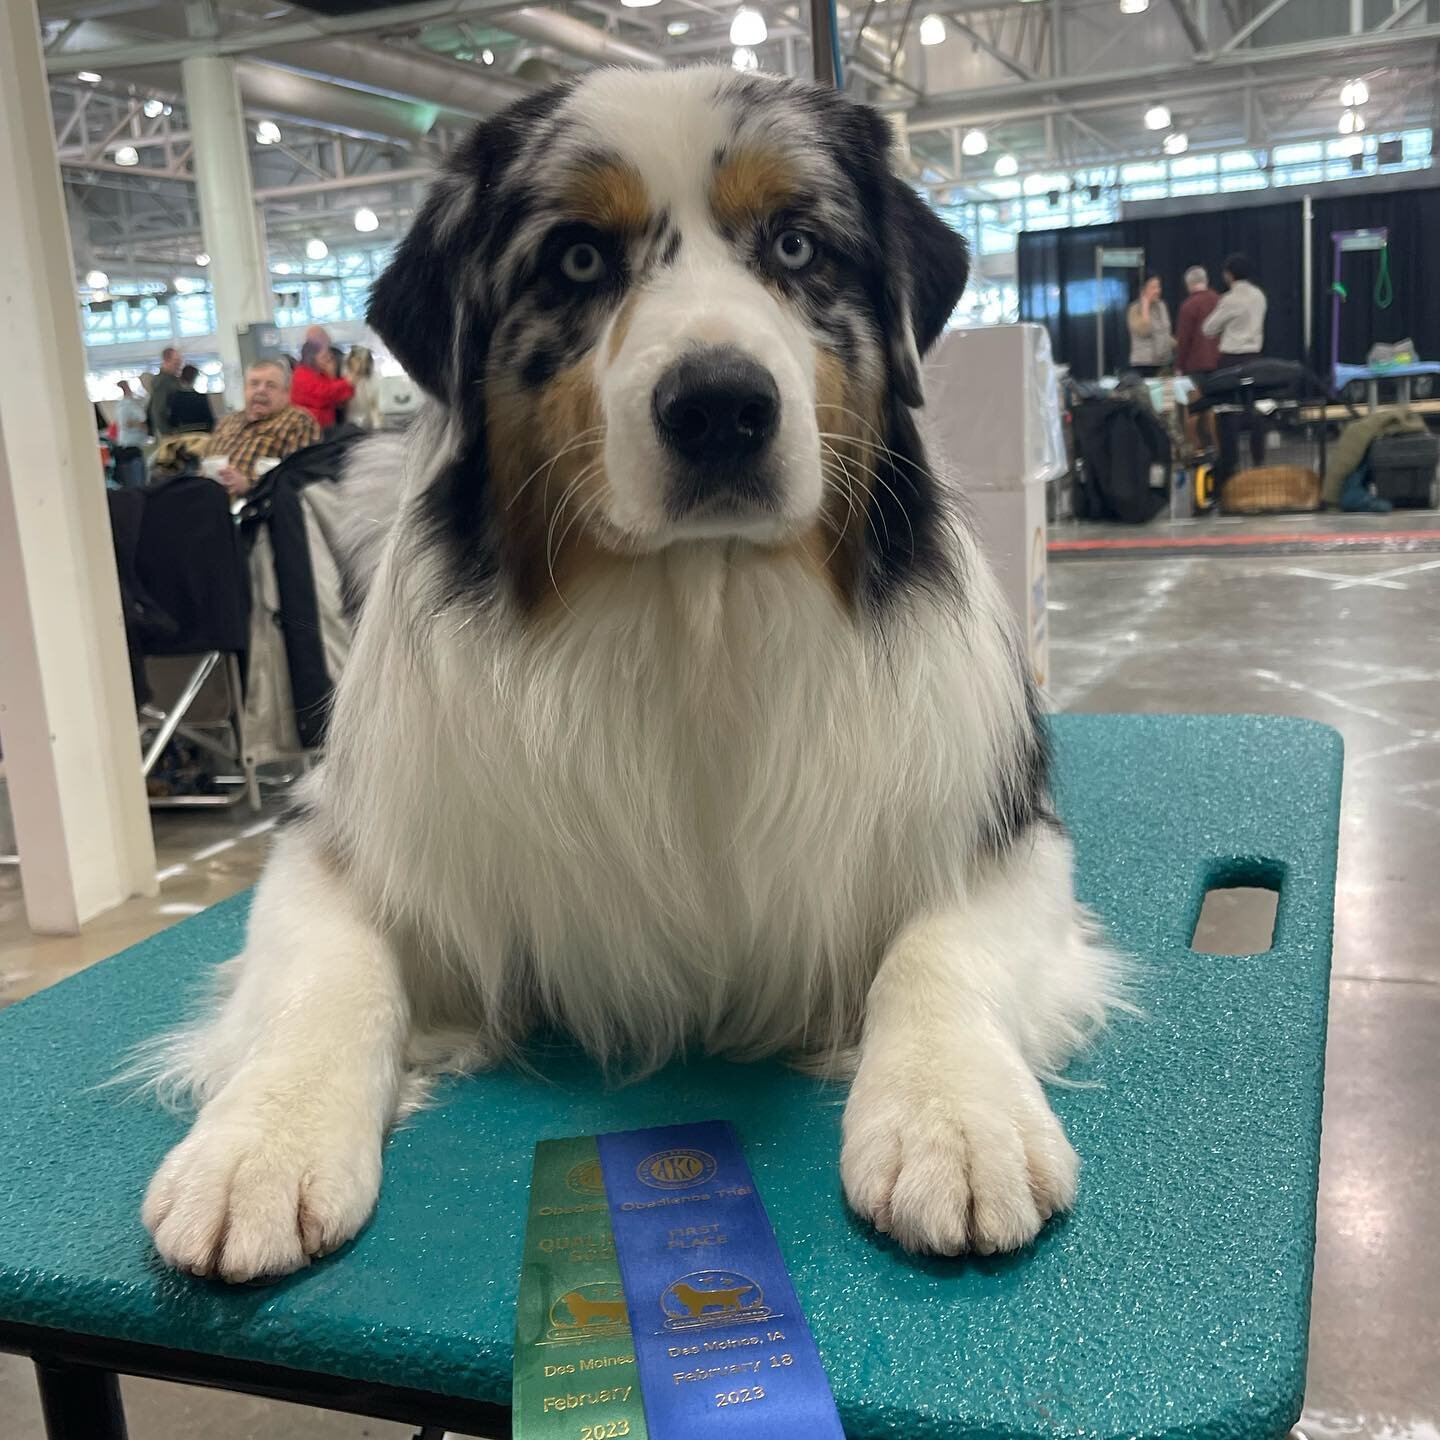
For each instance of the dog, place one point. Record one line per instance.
(697, 1302)
(595, 1312)
(683, 710)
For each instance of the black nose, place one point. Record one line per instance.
(716, 407)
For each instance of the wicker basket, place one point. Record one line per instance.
(1271, 489)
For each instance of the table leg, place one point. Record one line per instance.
(80, 1402)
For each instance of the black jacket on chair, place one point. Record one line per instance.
(184, 587)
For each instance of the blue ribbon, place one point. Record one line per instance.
(721, 1344)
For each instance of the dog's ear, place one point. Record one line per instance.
(927, 267)
(412, 305)
(937, 263)
(415, 306)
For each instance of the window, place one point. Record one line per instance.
(194, 313)
(1203, 185)
(1184, 166)
(1300, 175)
(1416, 146)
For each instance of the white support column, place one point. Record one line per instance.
(67, 712)
(230, 223)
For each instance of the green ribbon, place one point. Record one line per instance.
(575, 1375)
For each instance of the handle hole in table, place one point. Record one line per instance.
(1238, 913)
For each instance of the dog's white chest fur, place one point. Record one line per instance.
(693, 806)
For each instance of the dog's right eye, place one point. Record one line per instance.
(583, 264)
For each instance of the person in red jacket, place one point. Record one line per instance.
(316, 387)
(1195, 352)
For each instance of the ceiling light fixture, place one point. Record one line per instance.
(1157, 117)
(1351, 122)
(282, 267)
(1134, 7)
(748, 28)
(153, 108)
(127, 155)
(202, 259)
(88, 76)
(97, 280)
(1354, 93)
(1177, 142)
(638, 4)
(933, 31)
(974, 142)
(316, 248)
(487, 56)
(1006, 165)
(267, 132)
(366, 220)
(678, 27)
(744, 59)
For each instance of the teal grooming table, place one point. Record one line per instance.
(1174, 1301)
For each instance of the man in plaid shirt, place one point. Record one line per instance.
(269, 427)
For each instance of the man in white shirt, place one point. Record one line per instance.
(1238, 321)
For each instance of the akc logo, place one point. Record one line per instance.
(586, 1178)
(675, 1169)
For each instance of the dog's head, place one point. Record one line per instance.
(670, 306)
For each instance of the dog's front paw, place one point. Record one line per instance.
(249, 1195)
(970, 1160)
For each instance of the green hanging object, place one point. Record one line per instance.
(1384, 286)
(1338, 289)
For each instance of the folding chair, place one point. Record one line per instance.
(190, 564)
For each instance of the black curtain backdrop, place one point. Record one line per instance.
(1056, 272)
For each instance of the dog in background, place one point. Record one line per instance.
(683, 709)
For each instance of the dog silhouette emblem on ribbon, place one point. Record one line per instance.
(713, 1297)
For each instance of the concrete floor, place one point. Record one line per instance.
(1351, 640)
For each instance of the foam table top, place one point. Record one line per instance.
(1345, 374)
(1174, 1301)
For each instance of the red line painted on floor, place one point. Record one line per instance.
(1209, 542)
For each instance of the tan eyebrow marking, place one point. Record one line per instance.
(610, 195)
(749, 184)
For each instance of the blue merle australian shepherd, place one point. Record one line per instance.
(683, 710)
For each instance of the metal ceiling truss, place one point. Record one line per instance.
(1222, 69)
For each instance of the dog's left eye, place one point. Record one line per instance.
(583, 264)
(793, 249)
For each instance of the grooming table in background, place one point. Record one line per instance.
(1174, 1301)
(1372, 375)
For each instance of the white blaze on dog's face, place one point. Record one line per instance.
(672, 306)
(707, 374)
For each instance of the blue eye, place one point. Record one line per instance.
(793, 249)
(583, 264)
